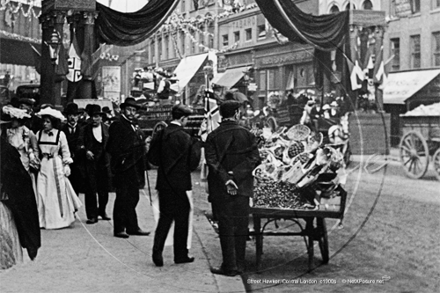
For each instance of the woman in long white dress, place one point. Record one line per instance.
(57, 201)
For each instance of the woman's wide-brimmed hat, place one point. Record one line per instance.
(51, 112)
(16, 113)
(130, 102)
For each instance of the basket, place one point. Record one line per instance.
(298, 132)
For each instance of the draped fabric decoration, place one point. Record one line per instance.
(127, 29)
(324, 32)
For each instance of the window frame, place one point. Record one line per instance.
(225, 40)
(395, 65)
(415, 55)
(436, 48)
(237, 37)
(248, 35)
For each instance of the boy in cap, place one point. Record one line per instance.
(232, 154)
(176, 155)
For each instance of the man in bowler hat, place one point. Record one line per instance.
(231, 154)
(176, 154)
(72, 129)
(93, 140)
(126, 146)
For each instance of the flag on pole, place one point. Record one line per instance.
(74, 62)
(380, 74)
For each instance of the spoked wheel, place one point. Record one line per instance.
(323, 239)
(414, 154)
(436, 163)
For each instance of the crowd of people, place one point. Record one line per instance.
(49, 157)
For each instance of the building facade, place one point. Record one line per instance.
(19, 27)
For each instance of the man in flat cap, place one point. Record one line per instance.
(126, 146)
(231, 154)
(176, 154)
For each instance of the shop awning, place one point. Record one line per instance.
(18, 52)
(186, 69)
(217, 77)
(231, 76)
(401, 86)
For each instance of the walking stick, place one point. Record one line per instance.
(149, 189)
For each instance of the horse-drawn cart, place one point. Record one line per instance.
(311, 224)
(420, 144)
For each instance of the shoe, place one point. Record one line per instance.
(121, 234)
(221, 271)
(184, 260)
(92, 221)
(158, 259)
(139, 233)
(105, 217)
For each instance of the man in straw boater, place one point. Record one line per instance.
(231, 154)
(126, 146)
(177, 155)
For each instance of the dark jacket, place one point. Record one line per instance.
(177, 155)
(126, 147)
(231, 148)
(72, 140)
(16, 186)
(101, 162)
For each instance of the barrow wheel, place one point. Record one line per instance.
(414, 154)
(323, 239)
(436, 163)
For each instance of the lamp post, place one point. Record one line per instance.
(54, 44)
(207, 69)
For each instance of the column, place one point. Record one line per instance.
(87, 63)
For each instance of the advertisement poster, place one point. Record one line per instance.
(111, 78)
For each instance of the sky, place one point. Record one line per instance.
(124, 5)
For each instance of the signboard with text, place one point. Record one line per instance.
(80, 5)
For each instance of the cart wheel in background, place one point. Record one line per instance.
(271, 122)
(436, 163)
(323, 239)
(414, 154)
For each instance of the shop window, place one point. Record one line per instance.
(261, 31)
(262, 83)
(436, 48)
(236, 37)
(159, 44)
(248, 34)
(395, 51)
(367, 5)
(153, 52)
(415, 6)
(225, 40)
(182, 43)
(334, 9)
(415, 51)
(272, 79)
(167, 48)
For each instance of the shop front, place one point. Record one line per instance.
(283, 70)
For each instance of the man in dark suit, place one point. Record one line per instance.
(126, 146)
(93, 140)
(72, 129)
(231, 154)
(177, 155)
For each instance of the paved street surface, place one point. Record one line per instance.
(87, 258)
(388, 243)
